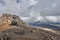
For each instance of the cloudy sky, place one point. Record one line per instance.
(32, 9)
(27, 7)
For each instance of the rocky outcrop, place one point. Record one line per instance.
(19, 30)
(14, 19)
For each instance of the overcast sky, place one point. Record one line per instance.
(31, 7)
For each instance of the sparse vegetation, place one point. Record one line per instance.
(21, 31)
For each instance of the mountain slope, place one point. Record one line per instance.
(22, 31)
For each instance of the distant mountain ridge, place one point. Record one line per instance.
(46, 24)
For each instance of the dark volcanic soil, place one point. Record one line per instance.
(22, 31)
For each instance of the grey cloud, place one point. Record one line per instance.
(41, 7)
(48, 3)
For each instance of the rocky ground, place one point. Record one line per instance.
(16, 29)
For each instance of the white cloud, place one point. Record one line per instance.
(47, 8)
(33, 2)
(54, 5)
(39, 18)
(52, 18)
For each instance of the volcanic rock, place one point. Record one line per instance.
(16, 29)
